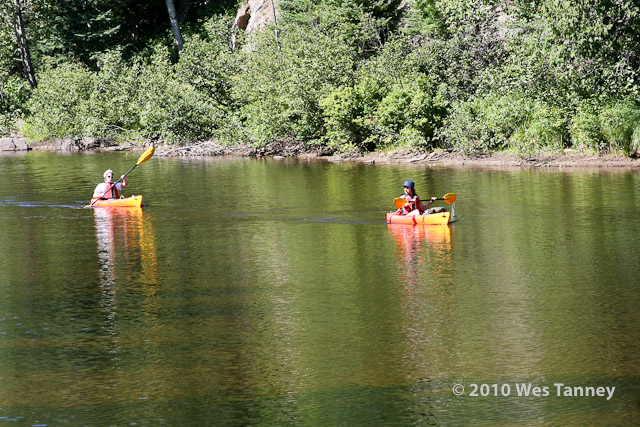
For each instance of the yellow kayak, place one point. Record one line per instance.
(127, 202)
(435, 216)
(414, 217)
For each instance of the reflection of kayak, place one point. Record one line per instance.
(133, 201)
(414, 217)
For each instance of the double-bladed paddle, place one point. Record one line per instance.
(448, 198)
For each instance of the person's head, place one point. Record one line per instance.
(108, 175)
(409, 187)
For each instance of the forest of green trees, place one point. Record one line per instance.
(469, 76)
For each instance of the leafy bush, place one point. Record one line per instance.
(545, 130)
(112, 112)
(388, 105)
(411, 113)
(282, 81)
(343, 110)
(170, 108)
(585, 128)
(59, 105)
(120, 102)
(406, 115)
(620, 126)
(208, 63)
(482, 124)
(13, 94)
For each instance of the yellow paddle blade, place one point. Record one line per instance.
(399, 202)
(146, 156)
(449, 197)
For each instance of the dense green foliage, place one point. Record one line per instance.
(465, 75)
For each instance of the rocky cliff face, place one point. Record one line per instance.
(255, 14)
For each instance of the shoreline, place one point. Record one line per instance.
(566, 159)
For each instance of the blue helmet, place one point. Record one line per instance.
(409, 184)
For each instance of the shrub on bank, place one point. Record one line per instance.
(486, 123)
(208, 66)
(13, 95)
(410, 114)
(282, 80)
(344, 117)
(169, 108)
(545, 130)
(497, 122)
(59, 105)
(612, 127)
(585, 128)
(620, 124)
(121, 101)
(391, 104)
(112, 114)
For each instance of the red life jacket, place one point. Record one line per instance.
(112, 193)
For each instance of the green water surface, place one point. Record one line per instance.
(263, 292)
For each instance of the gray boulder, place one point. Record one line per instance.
(13, 144)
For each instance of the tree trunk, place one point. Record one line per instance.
(275, 25)
(23, 45)
(174, 23)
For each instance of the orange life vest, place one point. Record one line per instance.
(113, 191)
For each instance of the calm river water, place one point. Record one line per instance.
(263, 292)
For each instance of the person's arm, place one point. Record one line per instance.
(124, 180)
(428, 205)
(99, 191)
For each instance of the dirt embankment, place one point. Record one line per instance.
(508, 160)
(567, 159)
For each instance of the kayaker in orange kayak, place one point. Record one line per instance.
(413, 201)
(106, 189)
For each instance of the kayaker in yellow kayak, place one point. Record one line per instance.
(413, 201)
(106, 189)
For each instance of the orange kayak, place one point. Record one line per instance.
(127, 202)
(414, 217)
